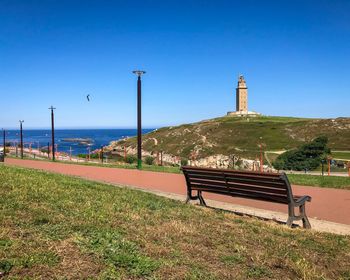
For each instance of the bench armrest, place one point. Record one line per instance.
(301, 200)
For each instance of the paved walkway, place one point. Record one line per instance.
(327, 204)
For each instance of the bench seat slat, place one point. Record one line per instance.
(235, 185)
(277, 185)
(239, 189)
(222, 174)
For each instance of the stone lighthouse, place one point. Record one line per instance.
(242, 100)
(241, 95)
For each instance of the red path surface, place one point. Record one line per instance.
(327, 204)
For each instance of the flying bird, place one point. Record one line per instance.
(88, 97)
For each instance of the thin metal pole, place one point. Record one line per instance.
(139, 119)
(48, 150)
(53, 132)
(4, 135)
(102, 154)
(21, 135)
(139, 124)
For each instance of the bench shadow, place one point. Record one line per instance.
(250, 215)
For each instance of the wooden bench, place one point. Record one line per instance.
(272, 187)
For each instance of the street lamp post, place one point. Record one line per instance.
(21, 133)
(139, 73)
(53, 132)
(4, 141)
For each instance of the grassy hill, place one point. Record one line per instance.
(240, 136)
(59, 227)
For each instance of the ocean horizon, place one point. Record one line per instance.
(99, 137)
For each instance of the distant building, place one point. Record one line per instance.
(242, 100)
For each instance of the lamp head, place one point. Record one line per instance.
(139, 72)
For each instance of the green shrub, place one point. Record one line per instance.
(149, 160)
(131, 159)
(306, 157)
(184, 161)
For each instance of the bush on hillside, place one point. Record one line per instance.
(131, 159)
(149, 160)
(306, 157)
(184, 161)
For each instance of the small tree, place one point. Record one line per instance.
(184, 161)
(306, 157)
(130, 159)
(149, 160)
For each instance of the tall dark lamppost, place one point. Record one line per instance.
(21, 133)
(139, 73)
(53, 132)
(4, 140)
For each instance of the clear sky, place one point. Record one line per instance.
(295, 56)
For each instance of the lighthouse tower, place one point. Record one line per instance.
(242, 100)
(241, 95)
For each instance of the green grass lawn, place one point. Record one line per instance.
(341, 155)
(336, 182)
(54, 226)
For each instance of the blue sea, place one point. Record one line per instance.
(100, 137)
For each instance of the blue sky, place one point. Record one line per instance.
(295, 56)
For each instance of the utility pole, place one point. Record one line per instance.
(139, 73)
(53, 132)
(4, 141)
(21, 133)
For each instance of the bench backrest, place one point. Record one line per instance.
(273, 187)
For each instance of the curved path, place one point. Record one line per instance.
(327, 204)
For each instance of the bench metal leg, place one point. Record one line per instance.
(302, 216)
(291, 215)
(290, 221)
(201, 199)
(306, 223)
